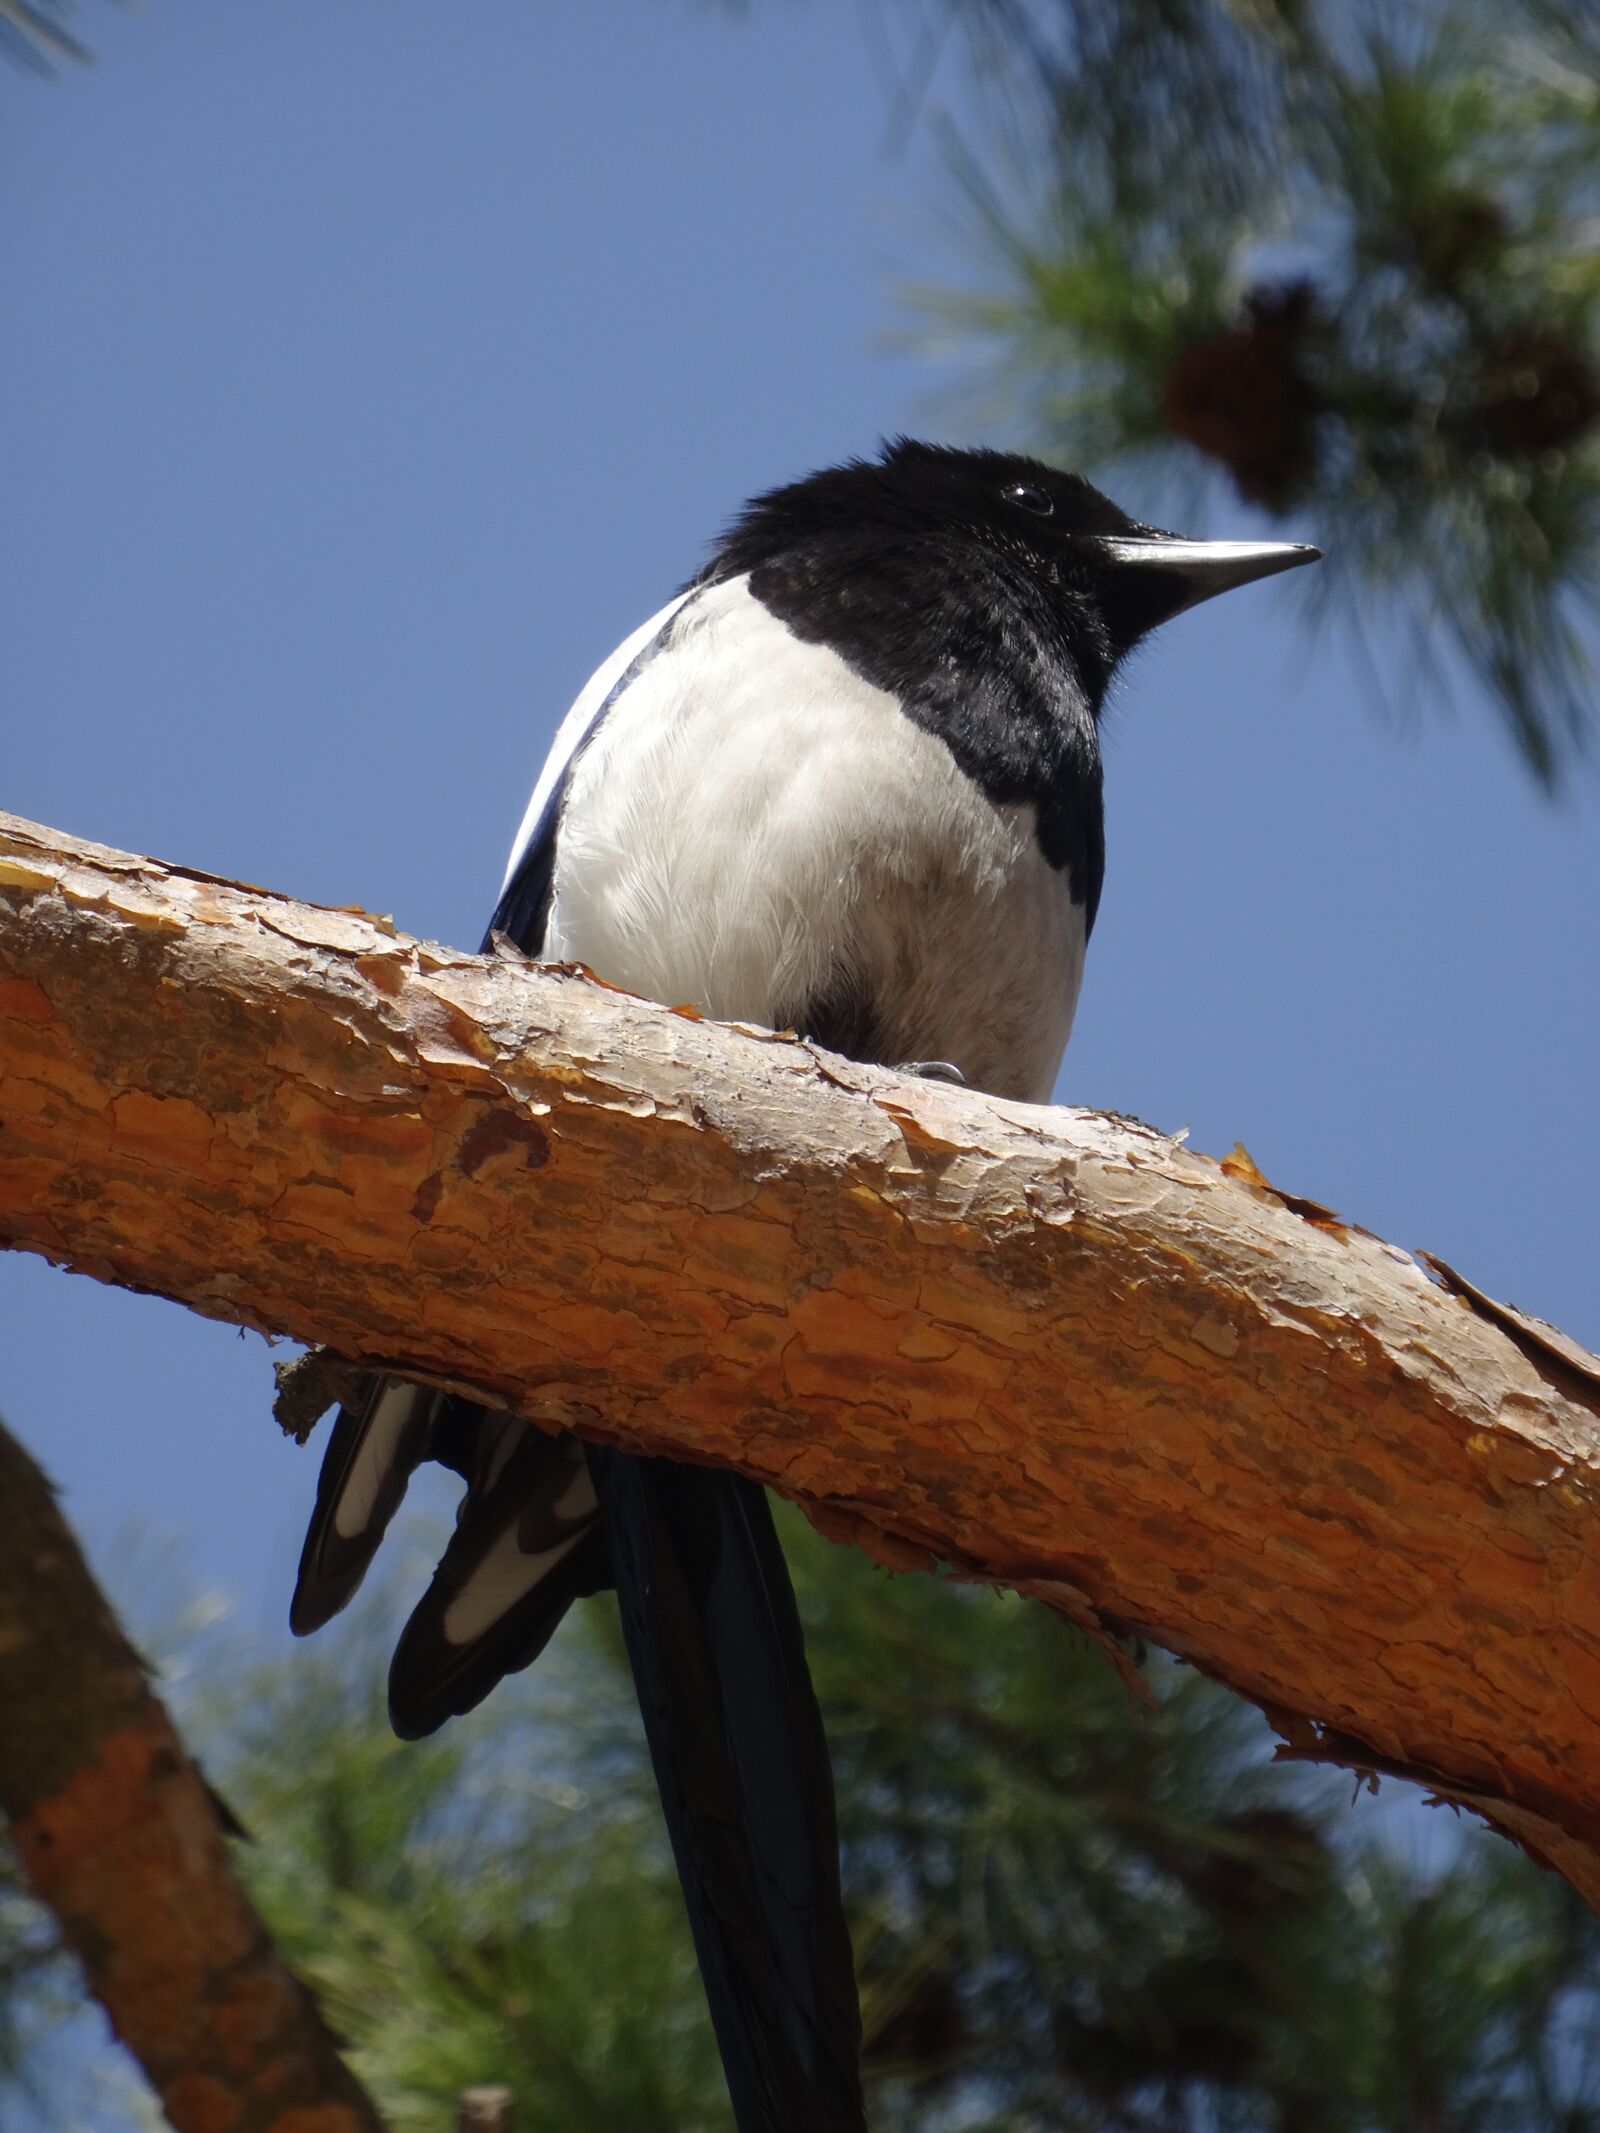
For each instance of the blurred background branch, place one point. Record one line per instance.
(1344, 258)
(34, 34)
(118, 1834)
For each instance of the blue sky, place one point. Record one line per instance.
(370, 371)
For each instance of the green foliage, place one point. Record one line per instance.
(36, 1982)
(496, 1905)
(1345, 257)
(1072, 1914)
(1076, 1914)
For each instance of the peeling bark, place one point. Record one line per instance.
(1049, 1348)
(123, 1840)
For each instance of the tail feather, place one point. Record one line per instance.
(743, 1771)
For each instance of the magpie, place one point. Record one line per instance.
(846, 782)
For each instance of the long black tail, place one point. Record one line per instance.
(742, 1766)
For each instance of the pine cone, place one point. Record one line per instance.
(1242, 398)
(1539, 393)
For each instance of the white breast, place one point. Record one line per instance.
(751, 820)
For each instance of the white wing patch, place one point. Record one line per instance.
(380, 1440)
(507, 1571)
(574, 729)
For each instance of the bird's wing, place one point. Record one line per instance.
(527, 1543)
(375, 1445)
(525, 893)
(742, 1766)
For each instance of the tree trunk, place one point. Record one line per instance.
(1049, 1348)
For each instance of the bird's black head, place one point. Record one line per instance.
(929, 527)
(992, 597)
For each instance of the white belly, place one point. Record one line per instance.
(751, 822)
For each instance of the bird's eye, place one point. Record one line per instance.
(1027, 497)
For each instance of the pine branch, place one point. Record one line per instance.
(1044, 1348)
(124, 1842)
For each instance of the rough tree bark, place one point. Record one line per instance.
(121, 1837)
(1048, 1348)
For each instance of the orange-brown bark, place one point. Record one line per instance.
(1052, 1348)
(120, 1836)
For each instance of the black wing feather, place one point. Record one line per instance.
(523, 912)
(522, 1552)
(332, 1564)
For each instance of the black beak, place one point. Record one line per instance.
(1144, 579)
(1173, 574)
